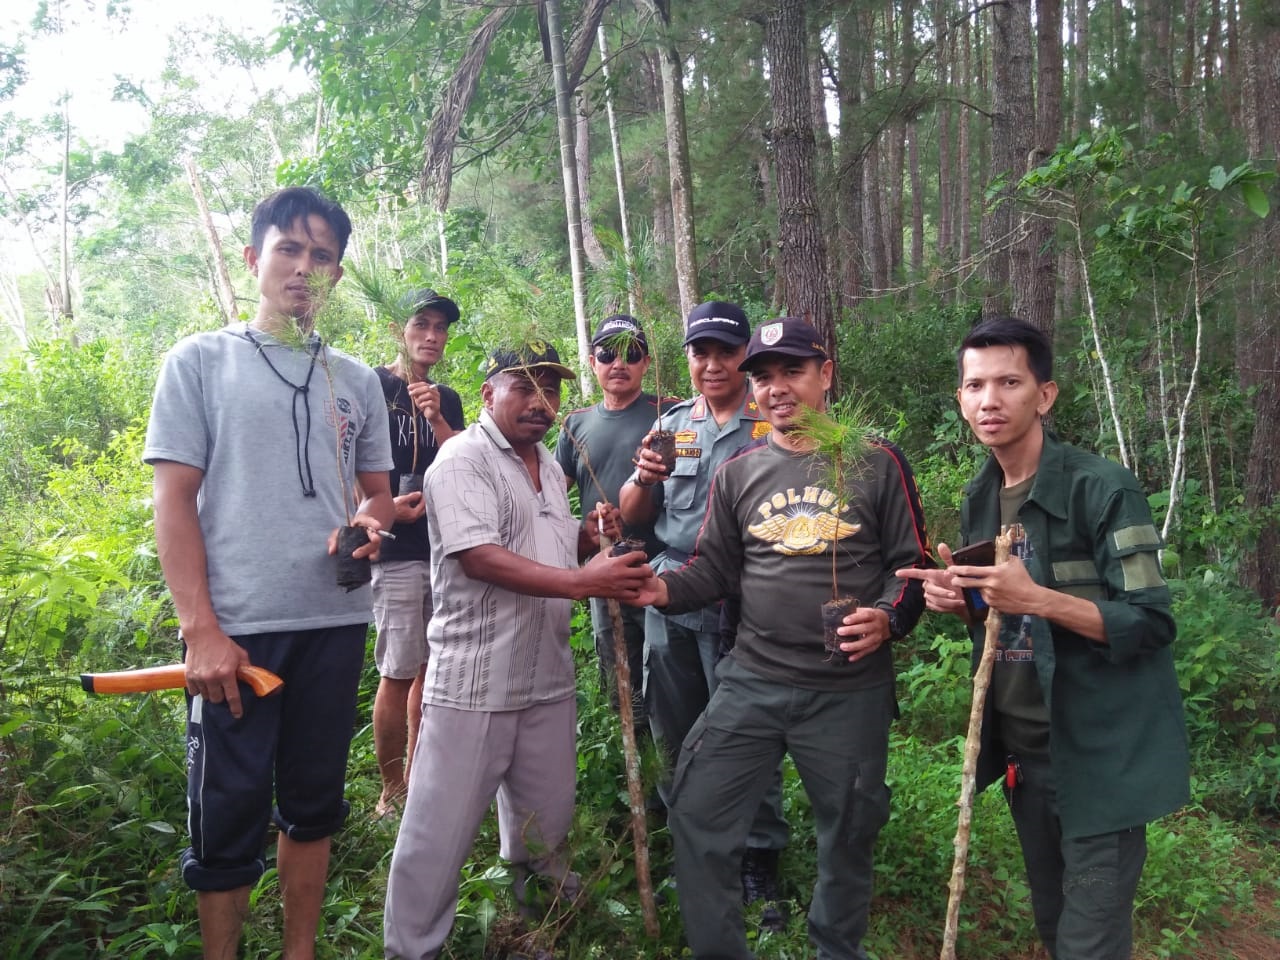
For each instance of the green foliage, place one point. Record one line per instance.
(1228, 658)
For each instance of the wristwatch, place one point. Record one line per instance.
(635, 478)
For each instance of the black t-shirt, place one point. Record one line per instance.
(407, 423)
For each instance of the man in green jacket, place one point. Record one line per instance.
(1084, 719)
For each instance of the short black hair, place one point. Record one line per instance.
(1010, 332)
(283, 207)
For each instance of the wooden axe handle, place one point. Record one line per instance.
(172, 677)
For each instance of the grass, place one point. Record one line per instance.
(92, 820)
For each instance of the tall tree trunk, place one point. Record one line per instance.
(568, 174)
(64, 314)
(582, 156)
(1035, 302)
(677, 159)
(1012, 130)
(824, 159)
(896, 73)
(803, 256)
(946, 169)
(917, 200)
(1258, 335)
(222, 288)
(616, 145)
(849, 53)
(873, 229)
(964, 153)
(1080, 100)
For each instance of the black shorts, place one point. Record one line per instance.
(293, 745)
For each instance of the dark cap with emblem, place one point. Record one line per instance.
(789, 336)
(428, 299)
(717, 320)
(532, 356)
(623, 328)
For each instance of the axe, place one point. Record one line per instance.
(172, 677)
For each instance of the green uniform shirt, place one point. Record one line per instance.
(1118, 741)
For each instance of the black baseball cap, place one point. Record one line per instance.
(533, 355)
(790, 336)
(620, 326)
(717, 320)
(428, 299)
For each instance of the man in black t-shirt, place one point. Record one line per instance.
(422, 415)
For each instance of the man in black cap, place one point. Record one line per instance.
(423, 414)
(499, 711)
(681, 650)
(771, 525)
(596, 449)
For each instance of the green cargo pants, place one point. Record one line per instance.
(839, 742)
(1082, 889)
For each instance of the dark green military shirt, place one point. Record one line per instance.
(1118, 741)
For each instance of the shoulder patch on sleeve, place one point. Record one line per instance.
(1136, 538)
(1141, 571)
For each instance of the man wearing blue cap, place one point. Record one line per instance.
(771, 526)
(681, 650)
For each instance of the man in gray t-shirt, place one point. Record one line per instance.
(596, 450)
(245, 429)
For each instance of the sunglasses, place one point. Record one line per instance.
(607, 355)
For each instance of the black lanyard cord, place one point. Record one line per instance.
(301, 443)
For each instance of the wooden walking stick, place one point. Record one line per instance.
(631, 751)
(969, 768)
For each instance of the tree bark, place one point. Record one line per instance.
(946, 165)
(681, 173)
(873, 229)
(1080, 101)
(1034, 299)
(223, 290)
(1258, 335)
(1008, 266)
(849, 52)
(802, 258)
(568, 174)
(616, 145)
(596, 256)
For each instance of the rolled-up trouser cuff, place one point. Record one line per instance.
(304, 834)
(205, 879)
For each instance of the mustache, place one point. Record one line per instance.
(541, 419)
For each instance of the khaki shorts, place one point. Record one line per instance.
(401, 611)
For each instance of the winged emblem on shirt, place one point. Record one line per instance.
(802, 532)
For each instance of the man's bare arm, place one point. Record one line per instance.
(212, 656)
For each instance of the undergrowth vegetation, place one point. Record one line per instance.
(92, 807)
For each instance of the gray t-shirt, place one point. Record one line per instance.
(493, 649)
(597, 443)
(219, 407)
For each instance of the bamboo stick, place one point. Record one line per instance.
(968, 774)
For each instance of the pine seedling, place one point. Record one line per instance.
(839, 440)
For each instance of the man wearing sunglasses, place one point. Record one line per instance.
(596, 447)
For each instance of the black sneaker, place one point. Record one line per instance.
(760, 882)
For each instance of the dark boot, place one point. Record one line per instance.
(760, 882)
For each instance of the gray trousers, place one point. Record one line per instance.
(529, 759)
(1082, 889)
(679, 679)
(840, 744)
